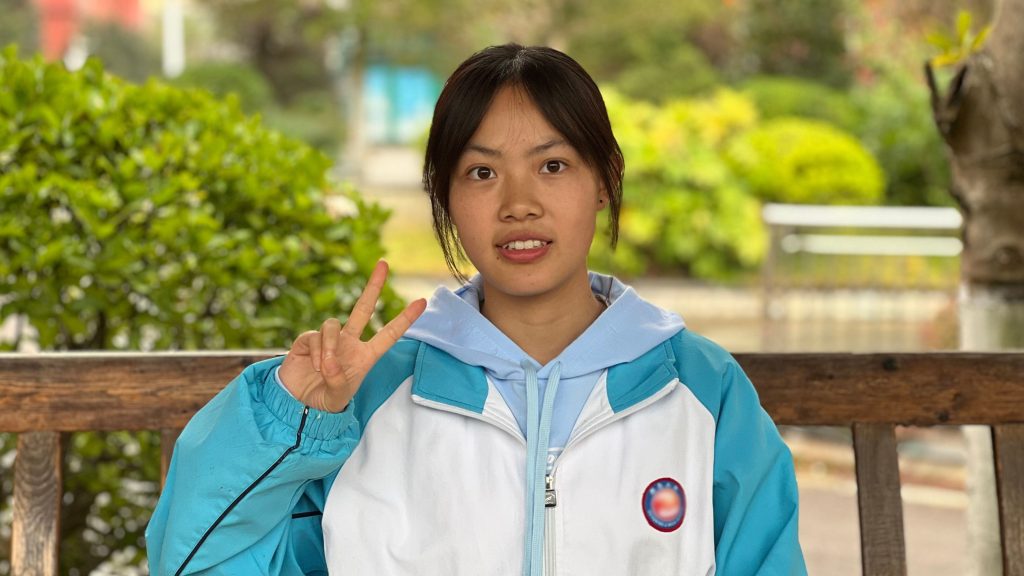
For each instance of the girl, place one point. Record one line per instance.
(542, 419)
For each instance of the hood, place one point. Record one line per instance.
(629, 327)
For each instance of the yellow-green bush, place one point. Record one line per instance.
(806, 162)
(697, 171)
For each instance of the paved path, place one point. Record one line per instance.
(936, 535)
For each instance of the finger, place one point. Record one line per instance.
(329, 334)
(367, 302)
(314, 346)
(392, 331)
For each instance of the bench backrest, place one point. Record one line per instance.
(43, 395)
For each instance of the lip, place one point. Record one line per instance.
(522, 236)
(525, 256)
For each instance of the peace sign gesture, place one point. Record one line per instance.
(324, 368)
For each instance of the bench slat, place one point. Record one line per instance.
(1008, 451)
(168, 436)
(37, 497)
(879, 502)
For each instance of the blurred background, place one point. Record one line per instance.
(224, 173)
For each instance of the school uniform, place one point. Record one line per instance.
(641, 449)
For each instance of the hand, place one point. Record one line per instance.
(324, 368)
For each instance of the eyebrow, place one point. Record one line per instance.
(539, 149)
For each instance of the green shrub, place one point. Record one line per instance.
(678, 71)
(151, 217)
(806, 162)
(796, 38)
(685, 211)
(223, 78)
(897, 127)
(892, 119)
(777, 96)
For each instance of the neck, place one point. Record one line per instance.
(543, 325)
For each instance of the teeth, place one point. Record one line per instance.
(524, 244)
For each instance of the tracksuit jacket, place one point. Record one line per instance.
(641, 449)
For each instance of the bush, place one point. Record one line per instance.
(796, 38)
(897, 126)
(223, 78)
(806, 162)
(685, 211)
(778, 96)
(697, 171)
(892, 119)
(151, 217)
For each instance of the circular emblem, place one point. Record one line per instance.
(664, 504)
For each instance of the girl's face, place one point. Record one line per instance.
(524, 202)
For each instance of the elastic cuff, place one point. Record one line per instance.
(320, 424)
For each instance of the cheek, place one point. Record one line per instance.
(467, 224)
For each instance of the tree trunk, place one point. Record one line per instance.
(350, 48)
(981, 118)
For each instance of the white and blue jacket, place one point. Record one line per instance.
(641, 449)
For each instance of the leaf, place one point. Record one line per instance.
(963, 24)
(940, 40)
(943, 60)
(980, 39)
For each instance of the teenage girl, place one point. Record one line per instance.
(541, 419)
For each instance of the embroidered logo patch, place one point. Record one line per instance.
(664, 504)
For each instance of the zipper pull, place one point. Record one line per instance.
(549, 492)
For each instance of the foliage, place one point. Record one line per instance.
(958, 45)
(123, 52)
(697, 171)
(684, 211)
(890, 117)
(896, 125)
(647, 52)
(806, 162)
(681, 70)
(797, 38)
(284, 40)
(18, 24)
(777, 96)
(223, 78)
(312, 117)
(152, 217)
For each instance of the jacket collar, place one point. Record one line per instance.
(440, 377)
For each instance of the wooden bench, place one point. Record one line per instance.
(45, 394)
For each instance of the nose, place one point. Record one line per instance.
(519, 200)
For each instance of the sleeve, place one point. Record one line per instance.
(247, 483)
(755, 492)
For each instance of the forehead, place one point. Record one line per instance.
(513, 120)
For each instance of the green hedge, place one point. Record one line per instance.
(151, 217)
(698, 170)
(807, 162)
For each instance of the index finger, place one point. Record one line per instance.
(367, 302)
(392, 331)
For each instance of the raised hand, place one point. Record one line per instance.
(325, 367)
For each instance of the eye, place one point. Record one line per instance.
(481, 173)
(554, 167)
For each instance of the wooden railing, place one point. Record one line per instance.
(45, 394)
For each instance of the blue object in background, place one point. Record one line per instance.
(399, 103)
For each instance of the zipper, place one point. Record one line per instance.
(551, 496)
(550, 504)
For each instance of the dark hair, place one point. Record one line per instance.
(565, 94)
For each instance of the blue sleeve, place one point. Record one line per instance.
(755, 491)
(247, 483)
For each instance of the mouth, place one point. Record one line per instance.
(524, 251)
(524, 244)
